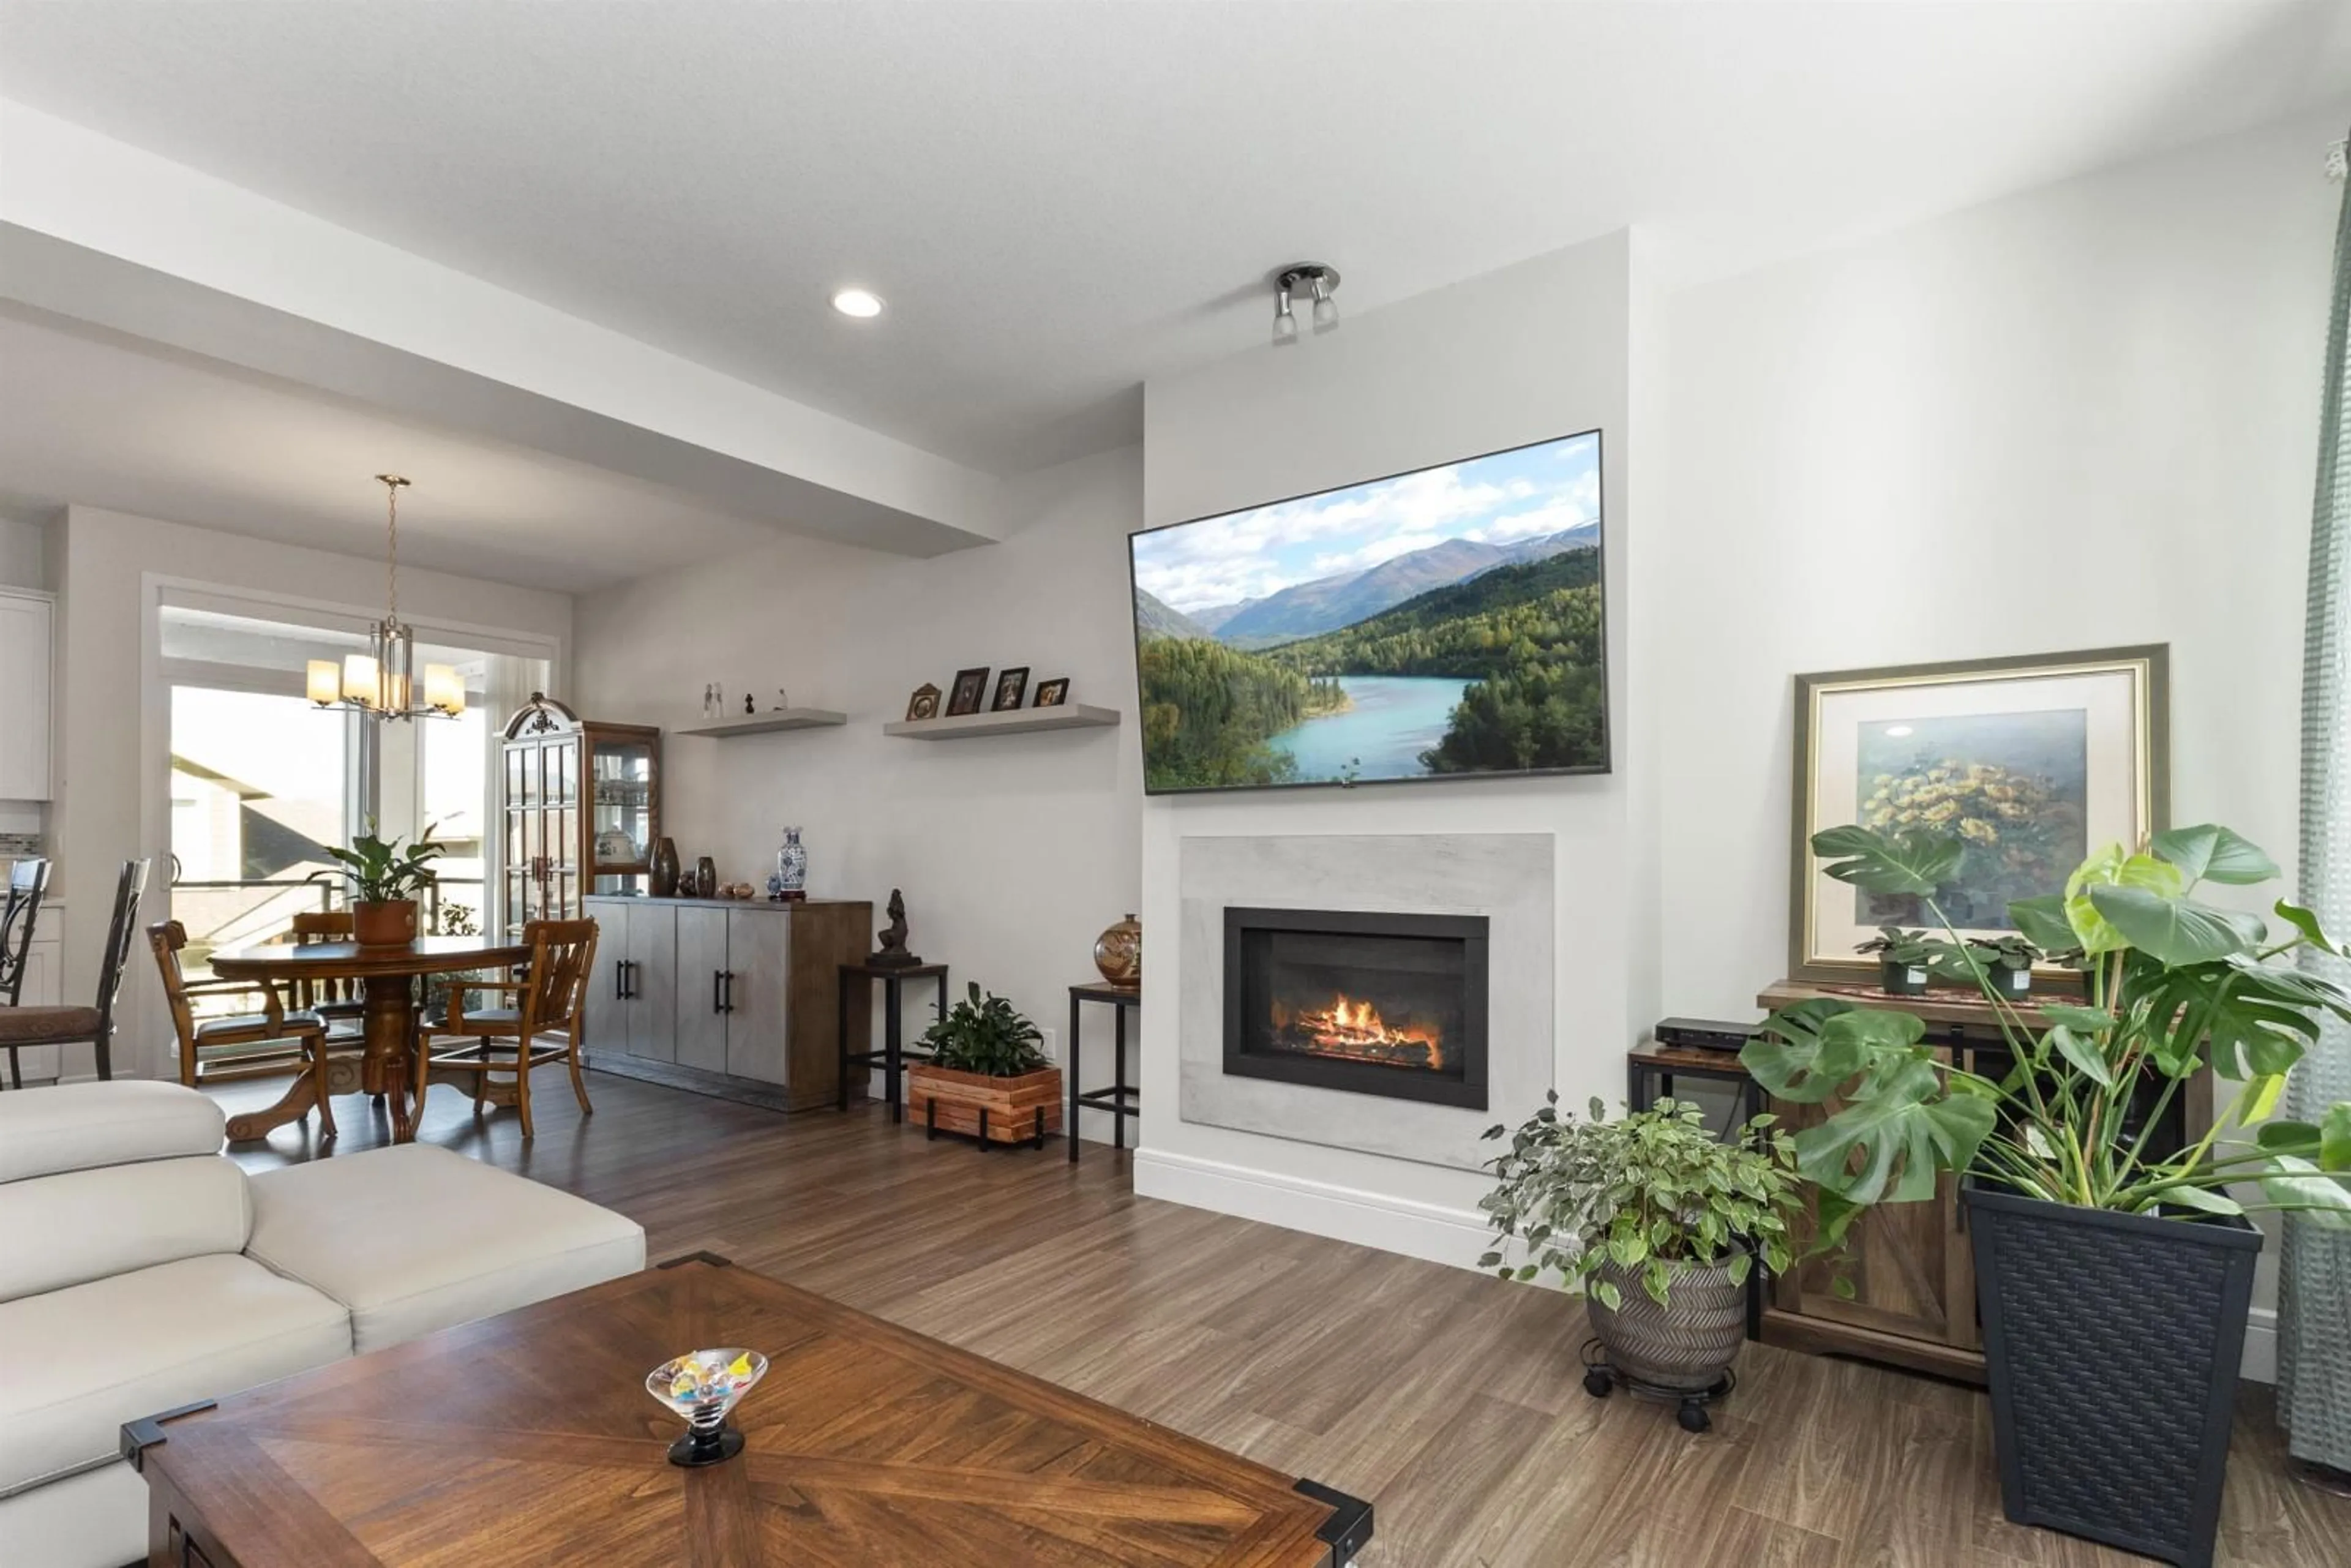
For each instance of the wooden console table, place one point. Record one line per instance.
(1911, 1265)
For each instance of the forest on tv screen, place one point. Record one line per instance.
(1525, 637)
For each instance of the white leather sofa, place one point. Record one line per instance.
(141, 1270)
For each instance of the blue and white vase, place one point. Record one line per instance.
(792, 867)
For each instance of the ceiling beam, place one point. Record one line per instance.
(99, 232)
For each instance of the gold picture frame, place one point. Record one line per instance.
(2040, 757)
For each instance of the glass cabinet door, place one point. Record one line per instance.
(621, 784)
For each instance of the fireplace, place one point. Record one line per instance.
(1392, 1005)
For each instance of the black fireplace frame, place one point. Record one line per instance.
(1358, 1077)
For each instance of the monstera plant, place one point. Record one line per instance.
(2113, 1260)
(2174, 984)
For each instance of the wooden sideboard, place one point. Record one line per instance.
(737, 997)
(1911, 1265)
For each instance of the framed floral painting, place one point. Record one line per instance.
(2033, 762)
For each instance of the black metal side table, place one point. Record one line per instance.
(1122, 1100)
(891, 1059)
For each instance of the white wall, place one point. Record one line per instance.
(1537, 351)
(113, 715)
(24, 560)
(1013, 851)
(2081, 417)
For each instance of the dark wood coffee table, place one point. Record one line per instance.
(530, 1439)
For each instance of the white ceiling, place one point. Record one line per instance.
(1060, 200)
(109, 424)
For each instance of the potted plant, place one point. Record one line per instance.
(1658, 1223)
(1905, 960)
(987, 1076)
(384, 882)
(2005, 961)
(2113, 1272)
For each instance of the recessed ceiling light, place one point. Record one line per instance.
(858, 302)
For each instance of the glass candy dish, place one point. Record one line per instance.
(702, 1387)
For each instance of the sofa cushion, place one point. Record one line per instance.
(413, 1239)
(95, 1520)
(75, 1126)
(76, 1225)
(74, 1364)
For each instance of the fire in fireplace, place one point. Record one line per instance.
(1372, 1004)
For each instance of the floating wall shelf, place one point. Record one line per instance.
(1013, 721)
(768, 723)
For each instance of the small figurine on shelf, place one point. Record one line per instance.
(892, 954)
(750, 708)
(783, 701)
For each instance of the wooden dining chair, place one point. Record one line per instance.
(550, 999)
(271, 1043)
(338, 1000)
(21, 1027)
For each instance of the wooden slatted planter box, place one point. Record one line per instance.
(946, 1100)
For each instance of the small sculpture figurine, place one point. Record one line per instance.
(893, 937)
(748, 706)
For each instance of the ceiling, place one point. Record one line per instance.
(1058, 200)
(107, 424)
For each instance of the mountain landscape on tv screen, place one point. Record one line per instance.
(1478, 650)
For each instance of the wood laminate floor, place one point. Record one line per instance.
(1451, 1399)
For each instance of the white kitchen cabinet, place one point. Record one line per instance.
(27, 632)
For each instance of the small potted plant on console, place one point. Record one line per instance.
(2007, 962)
(1905, 960)
(1658, 1223)
(987, 1076)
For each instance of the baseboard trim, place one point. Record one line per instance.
(2259, 1362)
(1433, 1232)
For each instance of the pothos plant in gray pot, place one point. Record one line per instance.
(2113, 1262)
(1658, 1222)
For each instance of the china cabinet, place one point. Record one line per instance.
(581, 810)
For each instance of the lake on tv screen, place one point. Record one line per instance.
(1444, 622)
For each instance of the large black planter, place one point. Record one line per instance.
(2112, 1343)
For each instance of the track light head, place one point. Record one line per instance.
(1318, 281)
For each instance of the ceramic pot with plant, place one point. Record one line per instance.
(2114, 1257)
(384, 882)
(2007, 962)
(1905, 960)
(987, 1076)
(1658, 1222)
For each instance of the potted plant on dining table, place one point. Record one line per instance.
(385, 880)
(2113, 1260)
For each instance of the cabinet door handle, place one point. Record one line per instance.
(620, 979)
(729, 977)
(629, 975)
(717, 988)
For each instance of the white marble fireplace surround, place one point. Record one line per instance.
(1505, 877)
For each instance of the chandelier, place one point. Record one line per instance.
(380, 681)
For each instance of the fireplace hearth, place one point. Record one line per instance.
(1392, 1005)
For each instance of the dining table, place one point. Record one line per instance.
(387, 976)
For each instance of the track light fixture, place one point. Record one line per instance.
(1320, 282)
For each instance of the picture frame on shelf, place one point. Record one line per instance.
(970, 690)
(1052, 692)
(923, 704)
(2035, 761)
(1011, 687)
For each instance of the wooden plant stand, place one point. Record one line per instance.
(1021, 1109)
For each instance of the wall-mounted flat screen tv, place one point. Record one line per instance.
(1445, 623)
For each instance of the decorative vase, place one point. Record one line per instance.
(1684, 1346)
(792, 867)
(2112, 1344)
(392, 923)
(665, 869)
(1118, 954)
(705, 878)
